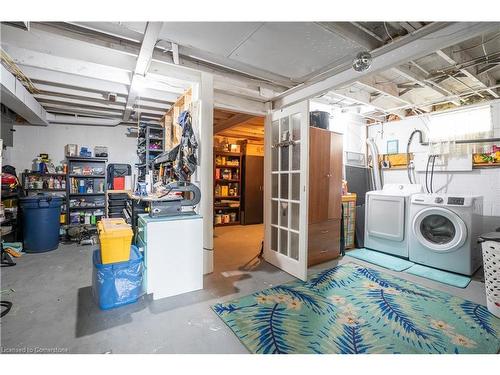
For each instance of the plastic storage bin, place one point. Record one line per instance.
(115, 236)
(117, 284)
(491, 259)
(41, 222)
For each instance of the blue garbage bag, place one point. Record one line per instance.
(117, 284)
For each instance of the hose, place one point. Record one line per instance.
(420, 140)
(432, 172)
(377, 180)
(427, 174)
(7, 305)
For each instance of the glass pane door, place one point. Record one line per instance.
(286, 224)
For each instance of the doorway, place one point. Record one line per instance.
(238, 191)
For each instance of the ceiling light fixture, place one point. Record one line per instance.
(362, 61)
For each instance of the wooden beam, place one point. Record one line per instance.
(232, 121)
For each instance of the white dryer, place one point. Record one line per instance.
(386, 218)
(444, 231)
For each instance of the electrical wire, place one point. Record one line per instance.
(11, 66)
(387, 32)
(495, 36)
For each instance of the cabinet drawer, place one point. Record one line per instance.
(141, 245)
(142, 230)
(323, 241)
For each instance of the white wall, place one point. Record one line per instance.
(29, 141)
(352, 127)
(484, 182)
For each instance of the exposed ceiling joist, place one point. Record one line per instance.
(420, 79)
(71, 81)
(471, 72)
(142, 65)
(75, 109)
(232, 121)
(387, 89)
(52, 40)
(92, 97)
(361, 97)
(43, 98)
(413, 46)
(24, 57)
(368, 41)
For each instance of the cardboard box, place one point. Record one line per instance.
(71, 150)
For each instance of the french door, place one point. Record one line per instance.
(286, 180)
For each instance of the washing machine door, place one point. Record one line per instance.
(439, 229)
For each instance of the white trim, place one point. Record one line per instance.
(296, 267)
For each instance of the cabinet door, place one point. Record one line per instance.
(319, 171)
(335, 176)
(253, 190)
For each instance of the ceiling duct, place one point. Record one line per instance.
(15, 96)
(79, 120)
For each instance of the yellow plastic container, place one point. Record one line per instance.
(116, 238)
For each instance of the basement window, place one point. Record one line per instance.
(463, 124)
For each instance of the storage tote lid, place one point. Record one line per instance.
(492, 236)
(41, 199)
(115, 227)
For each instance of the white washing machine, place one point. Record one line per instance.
(444, 231)
(386, 218)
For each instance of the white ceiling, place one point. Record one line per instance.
(77, 64)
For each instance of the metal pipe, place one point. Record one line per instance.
(465, 141)
(377, 180)
(445, 99)
(77, 120)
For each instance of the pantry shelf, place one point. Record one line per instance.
(227, 187)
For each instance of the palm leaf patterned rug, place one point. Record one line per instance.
(355, 309)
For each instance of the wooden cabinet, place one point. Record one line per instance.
(325, 195)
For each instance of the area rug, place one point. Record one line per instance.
(355, 309)
(460, 281)
(380, 259)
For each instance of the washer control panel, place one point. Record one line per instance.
(458, 201)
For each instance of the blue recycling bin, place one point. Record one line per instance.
(41, 225)
(117, 284)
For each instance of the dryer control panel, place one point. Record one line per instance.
(458, 201)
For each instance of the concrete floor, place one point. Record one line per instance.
(53, 306)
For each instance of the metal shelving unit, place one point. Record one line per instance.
(97, 163)
(149, 135)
